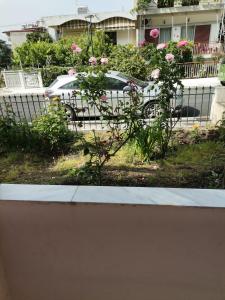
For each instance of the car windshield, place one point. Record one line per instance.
(53, 83)
(142, 84)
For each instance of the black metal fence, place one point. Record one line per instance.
(194, 107)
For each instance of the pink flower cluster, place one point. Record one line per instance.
(143, 43)
(155, 74)
(104, 61)
(161, 46)
(75, 48)
(93, 61)
(71, 72)
(169, 57)
(182, 44)
(154, 33)
(103, 98)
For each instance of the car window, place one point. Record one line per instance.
(113, 84)
(73, 85)
(53, 83)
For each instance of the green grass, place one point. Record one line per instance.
(197, 166)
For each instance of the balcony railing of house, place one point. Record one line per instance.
(208, 48)
(199, 70)
(144, 4)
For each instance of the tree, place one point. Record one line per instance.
(39, 36)
(5, 55)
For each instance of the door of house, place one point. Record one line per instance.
(202, 33)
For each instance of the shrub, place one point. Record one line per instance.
(35, 37)
(165, 3)
(48, 134)
(52, 130)
(15, 135)
(5, 55)
(190, 2)
(49, 74)
(33, 54)
(221, 130)
(128, 59)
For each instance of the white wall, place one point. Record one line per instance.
(126, 37)
(214, 32)
(18, 38)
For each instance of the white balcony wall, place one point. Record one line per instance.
(125, 37)
(214, 32)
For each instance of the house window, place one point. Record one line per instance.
(165, 35)
(188, 33)
(202, 33)
(113, 37)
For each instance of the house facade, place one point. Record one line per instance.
(197, 21)
(120, 26)
(19, 36)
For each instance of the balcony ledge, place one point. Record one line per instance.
(183, 9)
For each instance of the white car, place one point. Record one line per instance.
(116, 92)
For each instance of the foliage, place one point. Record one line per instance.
(33, 54)
(181, 55)
(102, 46)
(165, 3)
(5, 55)
(49, 74)
(42, 53)
(128, 59)
(221, 130)
(15, 135)
(100, 149)
(142, 5)
(190, 2)
(39, 36)
(52, 130)
(49, 134)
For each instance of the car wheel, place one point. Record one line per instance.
(151, 110)
(70, 114)
(223, 83)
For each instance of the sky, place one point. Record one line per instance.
(14, 13)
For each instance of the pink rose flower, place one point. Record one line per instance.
(155, 74)
(169, 57)
(71, 72)
(73, 46)
(143, 43)
(154, 33)
(77, 50)
(93, 60)
(182, 44)
(161, 46)
(104, 61)
(103, 98)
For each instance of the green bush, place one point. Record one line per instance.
(49, 74)
(5, 55)
(221, 130)
(15, 135)
(190, 2)
(128, 59)
(165, 3)
(48, 134)
(52, 130)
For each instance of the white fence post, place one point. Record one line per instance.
(40, 79)
(22, 79)
(218, 105)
